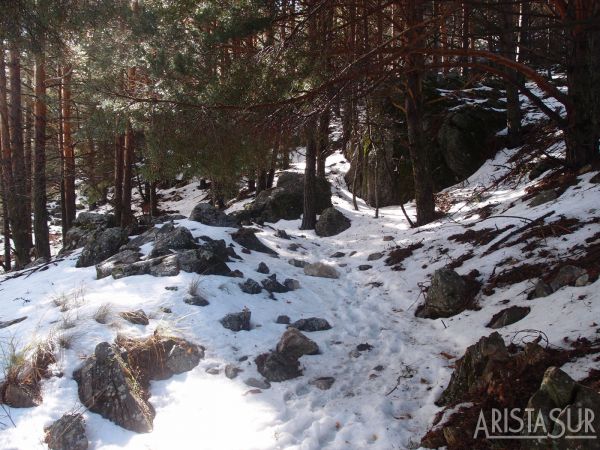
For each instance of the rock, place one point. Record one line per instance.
(583, 280)
(237, 321)
(256, 383)
(543, 197)
(195, 300)
(273, 286)
(94, 221)
(180, 238)
(388, 238)
(312, 324)
(250, 286)
(138, 317)
(105, 268)
(331, 222)
(338, 255)
(559, 386)
(21, 394)
(283, 320)
(246, 237)
(567, 275)
(294, 247)
(106, 387)
(232, 371)
(165, 310)
(207, 214)
(323, 383)
(263, 268)
(322, 270)
(595, 179)
(285, 201)
(298, 263)
(236, 274)
(375, 256)
(508, 316)
(291, 284)
(447, 295)
(276, 367)
(293, 344)
(479, 359)
(207, 260)
(8, 323)
(541, 289)
(365, 347)
(101, 246)
(67, 433)
(542, 166)
(364, 267)
(213, 371)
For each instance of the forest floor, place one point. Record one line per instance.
(384, 392)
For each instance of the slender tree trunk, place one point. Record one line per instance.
(509, 47)
(309, 217)
(5, 229)
(40, 213)
(27, 147)
(128, 160)
(418, 149)
(261, 181)
(118, 197)
(21, 235)
(323, 142)
(68, 152)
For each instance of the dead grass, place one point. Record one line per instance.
(194, 287)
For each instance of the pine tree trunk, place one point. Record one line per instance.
(68, 152)
(508, 46)
(323, 142)
(40, 213)
(118, 197)
(418, 149)
(27, 147)
(21, 234)
(309, 217)
(128, 160)
(5, 229)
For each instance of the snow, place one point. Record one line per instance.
(362, 410)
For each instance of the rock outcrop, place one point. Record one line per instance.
(331, 222)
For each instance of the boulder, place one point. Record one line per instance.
(375, 256)
(364, 267)
(246, 237)
(447, 295)
(250, 286)
(232, 371)
(67, 433)
(291, 284)
(138, 317)
(263, 268)
(21, 394)
(256, 383)
(298, 263)
(508, 316)
(543, 197)
(101, 246)
(277, 367)
(237, 321)
(568, 275)
(285, 201)
(312, 324)
(106, 386)
(321, 270)
(283, 320)
(331, 222)
(84, 228)
(105, 268)
(180, 238)
(323, 383)
(293, 344)
(273, 286)
(195, 300)
(207, 214)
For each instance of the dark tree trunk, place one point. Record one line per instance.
(128, 160)
(5, 229)
(40, 213)
(251, 185)
(508, 47)
(118, 197)
(309, 217)
(261, 181)
(418, 149)
(68, 152)
(323, 142)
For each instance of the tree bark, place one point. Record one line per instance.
(309, 217)
(40, 213)
(128, 160)
(418, 149)
(118, 197)
(68, 152)
(323, 142)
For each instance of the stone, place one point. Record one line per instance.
(8, 323)
(291, 284)
(543, 197)
(273, 286)
(559, 386)
(331, 222)
(250, 286)
(540, 167)
(282, 234)
(323, 383)
(375, 256)
(298, 263)
(388, 238)
(583, 280)
(180, 238)
(338, 255)
(246, 237)
(312, 324)
(195, 300)
(293, 344)
(21, 395)
(207, 214)
(446, 297)
(283, 320)
(213, 371)
(567, 275)
(204, 261)
(263, 268)
(237, 321)
(285, 201)
(67, 433)
(105, 268)
(276, 367)
(102, 245)
(106, 387)
(294, 247)
(138, 317)
(364, 267)
(508, 316)
(322, 270)
(236, 274)
(256, 383)
(232, 371)
(542, 289)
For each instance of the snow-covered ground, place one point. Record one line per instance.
(382, 398)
